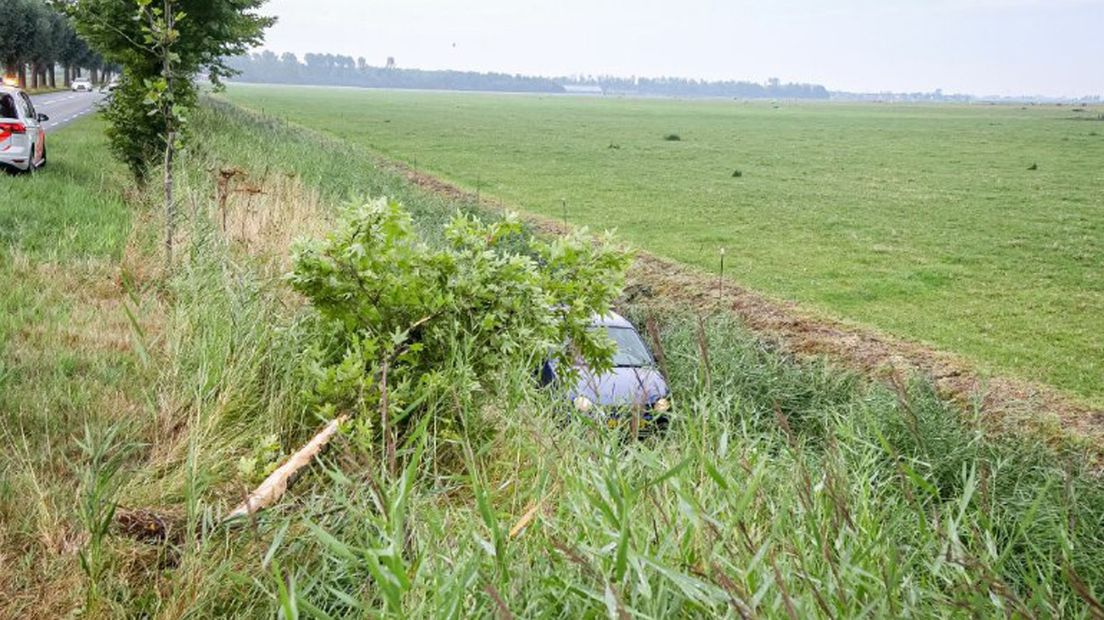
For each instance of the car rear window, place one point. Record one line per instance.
(7, 107)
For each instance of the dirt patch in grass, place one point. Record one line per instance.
(263, 213)
(1007, 404)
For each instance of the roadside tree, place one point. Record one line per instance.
(162, 47)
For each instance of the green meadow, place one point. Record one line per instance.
(976, 229)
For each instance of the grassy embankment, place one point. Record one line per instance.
(783, 489)
(921, 220)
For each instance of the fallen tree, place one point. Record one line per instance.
(406, 329)
(275, 485)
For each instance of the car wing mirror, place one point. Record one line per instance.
(42, 118)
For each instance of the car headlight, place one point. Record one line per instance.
(582, 403)
(662, 405)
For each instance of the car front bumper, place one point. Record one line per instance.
(624, 417)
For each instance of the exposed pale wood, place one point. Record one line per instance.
(275, 485)
(526, 519)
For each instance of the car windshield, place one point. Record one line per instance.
(631, 351)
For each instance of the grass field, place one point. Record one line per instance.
(924, 221)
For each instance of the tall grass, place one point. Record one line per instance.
(104, 456)
(741, 509)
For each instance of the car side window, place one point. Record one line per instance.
(20, 107)
(29, 107)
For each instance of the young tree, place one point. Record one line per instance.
(162, 46)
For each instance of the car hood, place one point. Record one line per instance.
(621, 386)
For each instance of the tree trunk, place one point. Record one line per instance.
(170, 208)
(34, 77)
(68, 75)
(275, 485)
(170, 137)
(22, 75)
(51, 75)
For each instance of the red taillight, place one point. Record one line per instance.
(10, 128)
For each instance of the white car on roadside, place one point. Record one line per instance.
(81, 85)
(22, 135)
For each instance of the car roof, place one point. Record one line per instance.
(612, 319)
(11, 90)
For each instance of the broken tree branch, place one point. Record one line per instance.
(275, 485)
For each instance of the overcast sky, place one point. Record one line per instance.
(984, 47)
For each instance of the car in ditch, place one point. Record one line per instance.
(22, 136)
(632, 392)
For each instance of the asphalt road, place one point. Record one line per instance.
(65, 107)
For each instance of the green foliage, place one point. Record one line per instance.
(162, 47)
(415, 324)
(136, 136)
(105, 455)
(35, 32)
(264, 460)
(207, 32)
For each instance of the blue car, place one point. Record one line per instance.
(634, 384)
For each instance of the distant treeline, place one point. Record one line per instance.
(685, 87)
(36, 37)
(337, 70)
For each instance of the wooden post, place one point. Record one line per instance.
(720, 279)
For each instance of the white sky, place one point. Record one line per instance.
(984, 47)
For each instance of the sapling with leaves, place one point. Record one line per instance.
(162, 46)
(159, 33)
(407, 329)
